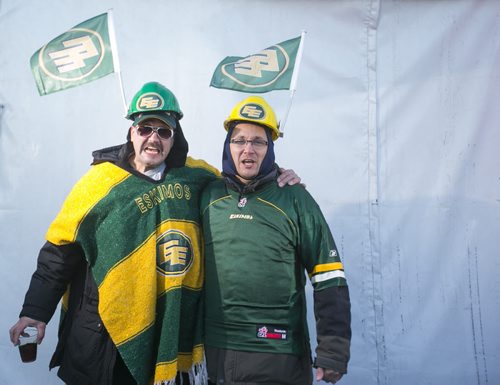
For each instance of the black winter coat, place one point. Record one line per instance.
(85, 353)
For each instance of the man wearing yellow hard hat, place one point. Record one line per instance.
(260, 241)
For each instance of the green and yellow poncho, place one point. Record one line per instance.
(143, 242)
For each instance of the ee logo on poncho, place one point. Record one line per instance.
(174, 253)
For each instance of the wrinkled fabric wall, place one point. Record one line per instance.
(394, 130)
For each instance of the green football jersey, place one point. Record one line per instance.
(259, 249)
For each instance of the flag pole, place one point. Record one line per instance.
(114, 51)
(293, 83)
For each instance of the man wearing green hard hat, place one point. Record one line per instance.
(153, 107)
(125, 254)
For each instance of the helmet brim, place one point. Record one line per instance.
(165, 118)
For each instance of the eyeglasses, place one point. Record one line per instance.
(163, 132)
(257, 143)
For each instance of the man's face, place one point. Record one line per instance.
(150, 151)
(248, 156)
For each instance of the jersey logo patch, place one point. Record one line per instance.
(242, 203)
(271, 333)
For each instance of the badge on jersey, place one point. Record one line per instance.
(271, 333)
(242, 203)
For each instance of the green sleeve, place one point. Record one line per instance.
(316, 248)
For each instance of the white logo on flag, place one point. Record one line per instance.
(266, 60)
(73, 57)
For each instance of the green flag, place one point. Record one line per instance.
(78, 56)
(270, 69)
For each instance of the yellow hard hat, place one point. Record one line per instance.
(254, 109)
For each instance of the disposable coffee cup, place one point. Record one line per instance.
(27, 344)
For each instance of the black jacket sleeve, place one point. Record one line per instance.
(56, 266)
(332, 308)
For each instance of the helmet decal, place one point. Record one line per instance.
(252, 111)
(150, 101)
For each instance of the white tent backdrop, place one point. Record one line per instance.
(394, 129)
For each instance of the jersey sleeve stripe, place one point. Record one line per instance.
(327, 267)
(327, 276)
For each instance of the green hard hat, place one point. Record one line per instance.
(154, 97)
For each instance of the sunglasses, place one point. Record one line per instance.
(146, 131)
